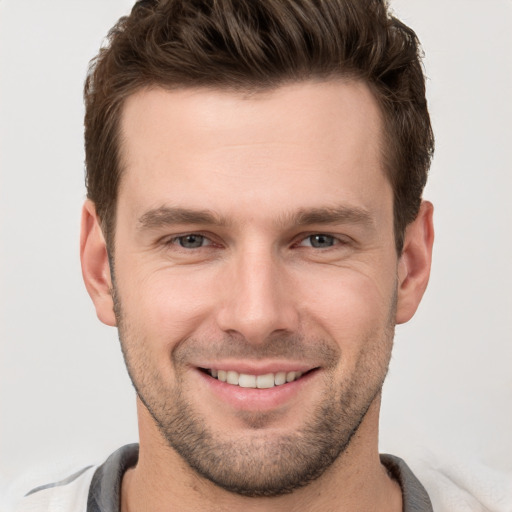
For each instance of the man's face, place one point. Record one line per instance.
(254, 243)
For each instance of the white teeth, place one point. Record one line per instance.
(265, 381)
(232, 378)
(269, 380)
(280, 378)
(247, 381)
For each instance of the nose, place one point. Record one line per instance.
(257, 298)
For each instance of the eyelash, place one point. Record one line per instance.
(176, 241)
(335, 240)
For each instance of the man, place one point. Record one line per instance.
(255, 229)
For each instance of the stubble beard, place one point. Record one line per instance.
(259, 464)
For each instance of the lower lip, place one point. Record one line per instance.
(250, 399)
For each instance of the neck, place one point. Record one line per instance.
(356, 481)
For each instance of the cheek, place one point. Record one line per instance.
(357, 315)
(351, 307)
(168, 304)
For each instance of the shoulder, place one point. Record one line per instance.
(92, 489)
(414, 495)
(68, 495)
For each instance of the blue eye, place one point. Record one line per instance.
(320, 241)
(191, 241)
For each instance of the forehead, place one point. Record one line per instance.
(296, 141)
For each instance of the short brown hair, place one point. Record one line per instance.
(261, 44)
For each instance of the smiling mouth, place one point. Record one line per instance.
(243, 380)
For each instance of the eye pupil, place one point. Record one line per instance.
(320, 241)
(191, 241)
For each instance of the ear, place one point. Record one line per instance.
(95, 265)
(414, 263)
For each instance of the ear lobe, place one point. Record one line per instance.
(414, 263)
(95, 264)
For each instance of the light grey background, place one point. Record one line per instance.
(65, 399)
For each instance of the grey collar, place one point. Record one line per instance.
(105, 489)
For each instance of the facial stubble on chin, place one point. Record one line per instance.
(259, 464)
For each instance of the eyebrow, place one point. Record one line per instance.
(334, 215)
(166, 216)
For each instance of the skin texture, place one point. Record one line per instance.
(255, 179)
